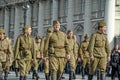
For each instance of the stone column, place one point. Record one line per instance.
(87, 16)
(17, 22)
(6, 21)
(41, 18)
(70, 14)
(55, 10)
(110, 20)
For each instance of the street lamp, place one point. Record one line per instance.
(25, 7)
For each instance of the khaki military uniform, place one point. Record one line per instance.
(84, 54)
(24, 52)
(72, 58)
(38, 56)
(100, 49)
(75, 51)
(57, 45)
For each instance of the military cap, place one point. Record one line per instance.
(69, 31)
(2, 31)
(55, 22)
(26, 27)
(38, 37)
(102, 24)
(86, 36)
(50, 29)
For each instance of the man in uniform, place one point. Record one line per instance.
(84, 55)
(39, 57)
(72, 58)
(5, 52)
(58, 47)
(25, 51)
(99, 50)
(46, 62)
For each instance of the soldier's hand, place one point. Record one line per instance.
(108, 59)
(68, 56)
(92, 58)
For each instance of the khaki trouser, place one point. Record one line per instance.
(25, 66)
(56, 67)
(85, 62)
(72, 62)
(46, 66)
(99, 63)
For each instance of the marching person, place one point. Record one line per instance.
(5, 55)
(58, 47)
(25, 51)
(99, 50)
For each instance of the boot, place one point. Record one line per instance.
(102, 77)
(16, 72)
(1, 76)
(53, 75)
(98, 74)
(25, 78)
(90, 77)
(33, 75)
(6, 75)
(36, 74)
(21, 78)
(71, 75)
(47, 76)
(74, 76)
(83, 73)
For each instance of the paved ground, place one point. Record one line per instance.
(42, 77)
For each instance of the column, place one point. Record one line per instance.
(55, 10)
(6, 21)
(110, 20)
(28, 16)
(70, 14)
(17, 22)
(87, 16)
(41, 18)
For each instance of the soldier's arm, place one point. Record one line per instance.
(46, 46)
(17, 46)
(80, 51)
(91, 44)
(67, 47)
(107, 47)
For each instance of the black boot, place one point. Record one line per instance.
(83, 73)
(16, 72)
(36, 74)
(25, 78)
(1, 76)
(33, 75)
(71, 75)
(102, 77)
(21, 78)
(6, 75)
(47, 76)
(98, 74)
(90, 77)
(74, 75)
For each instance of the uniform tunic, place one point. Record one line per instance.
(100, 49)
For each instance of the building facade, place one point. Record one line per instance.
(79, 15)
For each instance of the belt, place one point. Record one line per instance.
(99, 46)
(4, 50)
(59, 47)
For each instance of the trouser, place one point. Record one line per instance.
(98, 63)
(56, 67)
(25, 66)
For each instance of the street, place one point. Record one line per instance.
(42, 77)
